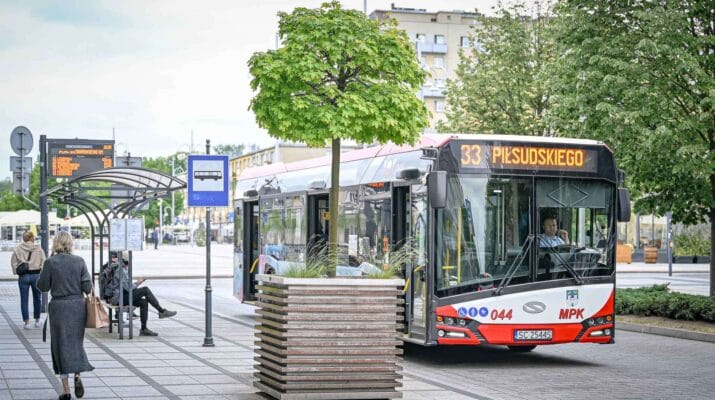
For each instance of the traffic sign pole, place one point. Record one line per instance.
(208, 339)
(44, 239)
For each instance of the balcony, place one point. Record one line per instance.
(436, 48)
(431, 91)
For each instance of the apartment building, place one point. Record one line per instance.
(438, 37)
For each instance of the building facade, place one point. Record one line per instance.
(438, 37)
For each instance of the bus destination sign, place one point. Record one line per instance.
(525, 156)
(70, 158)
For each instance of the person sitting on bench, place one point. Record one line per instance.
(141, 296)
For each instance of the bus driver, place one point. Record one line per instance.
(552, 236)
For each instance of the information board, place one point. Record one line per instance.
(126, 234)
(70, 158)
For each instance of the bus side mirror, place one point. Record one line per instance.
(623, 208)
(437, 189)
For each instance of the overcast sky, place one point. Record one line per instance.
(151, 70)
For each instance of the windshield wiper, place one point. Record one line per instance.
(514, 265)
(567, 265)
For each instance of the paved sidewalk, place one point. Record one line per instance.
(169, 261)
(173, 365)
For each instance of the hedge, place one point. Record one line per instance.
(659, 301)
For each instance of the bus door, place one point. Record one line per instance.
(416, 295)
(251, 249)
(400, 228)
(318, 224)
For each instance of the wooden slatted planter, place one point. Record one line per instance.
(329, 338)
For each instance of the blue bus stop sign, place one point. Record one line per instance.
(208, 181)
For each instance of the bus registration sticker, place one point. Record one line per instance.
(543, 334)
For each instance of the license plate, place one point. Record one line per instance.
(544, 334)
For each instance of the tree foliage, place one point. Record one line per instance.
(151, 213)
(639, 75)
(230, 150)
(338, 75)
(501, 85)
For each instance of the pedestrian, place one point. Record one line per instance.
(26, 261)
(155, 237)
(142, 297)
(65, 276)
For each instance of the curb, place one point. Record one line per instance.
(670, 332)
(13, 278)
(655, 271)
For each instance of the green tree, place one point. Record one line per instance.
(10, 201)
(338, 75)
(501, 86)
(230, 150)
(640, 76)
(163, 164)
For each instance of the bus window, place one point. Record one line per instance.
(581, 210)
(375, 225)
(480, 233)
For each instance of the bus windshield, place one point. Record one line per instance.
(491, 225)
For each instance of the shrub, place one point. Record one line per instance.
(658, 301)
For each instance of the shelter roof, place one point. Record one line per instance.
(128, 188)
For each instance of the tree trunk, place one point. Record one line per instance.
(334, 212)
(712, 242)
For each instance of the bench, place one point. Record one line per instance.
(113, 314)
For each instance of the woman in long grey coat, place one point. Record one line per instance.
(65, 276)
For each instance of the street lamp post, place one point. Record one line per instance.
(161, 223)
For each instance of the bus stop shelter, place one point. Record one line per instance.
(112, 193)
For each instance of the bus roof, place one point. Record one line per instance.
(426, 140)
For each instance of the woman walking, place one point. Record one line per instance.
(65, 276)
(26, 261)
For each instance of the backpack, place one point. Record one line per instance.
(107, 282)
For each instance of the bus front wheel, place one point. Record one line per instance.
(522, 349)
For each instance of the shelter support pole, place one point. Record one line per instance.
(44, 231)
(208, 339)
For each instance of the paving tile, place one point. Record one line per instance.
(116, 381)
(5, 395)
(102, 372)
(159, 371)
(23, 373)
(33, 383)
(190, 389)
(231, 388)
(34, 394)
(135, 391)
(175, 379)
(206, 379)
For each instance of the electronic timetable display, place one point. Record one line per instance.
(70, 158)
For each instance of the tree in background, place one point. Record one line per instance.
(639, 75)
(230, 150)
(338, 75)
(501, 85)
(163, 164)
(10, 201)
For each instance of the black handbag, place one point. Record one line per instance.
(24, 268)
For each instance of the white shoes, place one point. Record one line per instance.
(27, 327)
(38, 324)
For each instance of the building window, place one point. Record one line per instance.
(464, 41)
(439, 82)
(438, 62)
(439, 39)
(421, 37)
(439, 106)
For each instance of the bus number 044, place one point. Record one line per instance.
(500, 314)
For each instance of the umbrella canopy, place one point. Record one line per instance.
(26, 217)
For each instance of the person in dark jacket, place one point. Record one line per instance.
(65, 276)
(141, 296)
(31, 253)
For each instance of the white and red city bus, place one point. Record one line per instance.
(473, 206)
